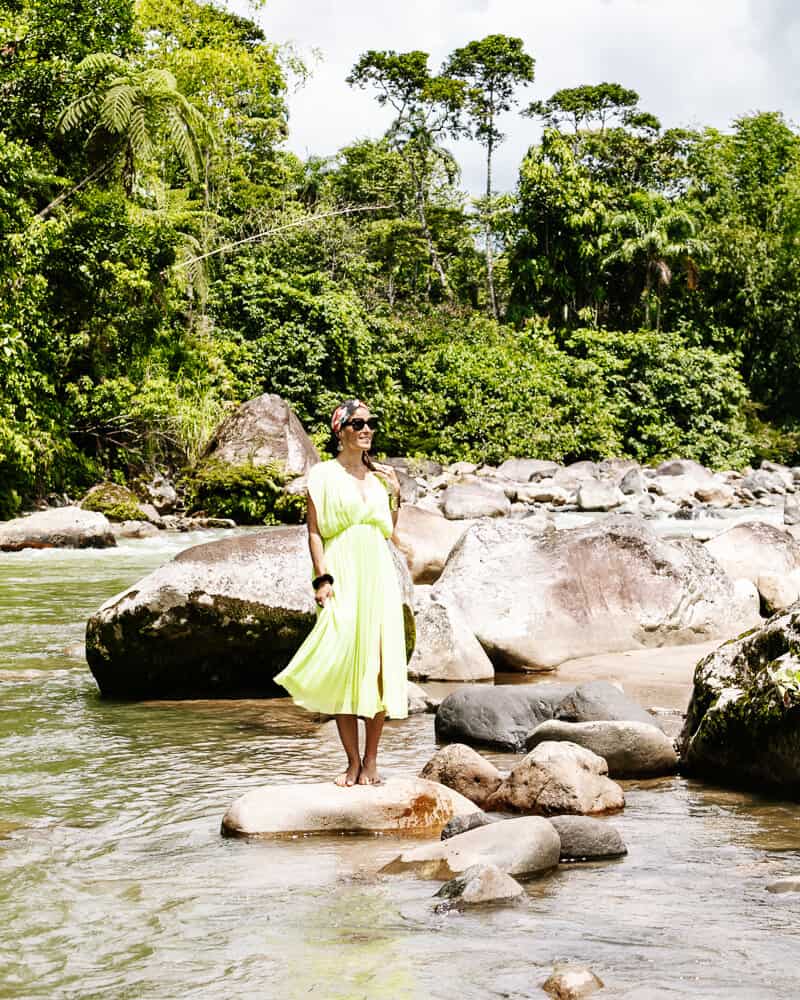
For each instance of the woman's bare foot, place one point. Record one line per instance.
(349, 777)
(369, 772)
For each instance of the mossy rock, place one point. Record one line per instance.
(118, 503)
(247, 493)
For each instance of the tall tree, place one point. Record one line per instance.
(427, 111)
(492, 68)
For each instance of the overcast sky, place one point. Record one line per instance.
(694, 62)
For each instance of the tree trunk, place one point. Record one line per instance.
(488, 231)
(93, 176)
(419, 197)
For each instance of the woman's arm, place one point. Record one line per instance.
(317, 550)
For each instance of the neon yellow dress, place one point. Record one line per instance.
(353, 661)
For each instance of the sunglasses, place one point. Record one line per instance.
(359, 423)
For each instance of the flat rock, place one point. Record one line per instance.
(479, 884)
(399, 805)
(57, 528)
(474, 500)
(586, 839)
(609, 586)
(426, 540)
(631, 749)
(221, 619)
(461, 768)
(558, 778)
(521, 846)
(500, 718)
(446, 649)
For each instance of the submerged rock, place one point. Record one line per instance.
(572, 982)
(407, 805)
(461, 768)
(558, 778)
(522, 846)
(610, 586)
(743, 723)
(57, 528)
(631, 749)
(479, 884)
(460, 824)
(220, 620)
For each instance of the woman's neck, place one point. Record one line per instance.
(353, 461)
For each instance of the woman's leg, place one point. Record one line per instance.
(348, 734)
(369, 766)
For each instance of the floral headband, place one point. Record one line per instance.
(343, 412)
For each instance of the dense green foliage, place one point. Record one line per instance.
(250, 494)
(163, 258)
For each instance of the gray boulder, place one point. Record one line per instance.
(600, 495)
(460, 824)
(599, 701)
(460, 767)
(558, 778)
(220, 620)
(57, 528)
(526, 470)
(631, 749)
(446, 649)
(426, 540)
(778, 591)
(484, 883)
(753, 548)
(263, 430)
(521, 846)
(743, 722)
(586, 839)
(472, 500)
(609, 586)
(499, 718)
(686, 467)
(632, 483)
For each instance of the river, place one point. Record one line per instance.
(116, 883)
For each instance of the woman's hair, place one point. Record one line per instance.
(339, 418)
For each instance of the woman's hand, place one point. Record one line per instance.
(387, 473)
(323, 593)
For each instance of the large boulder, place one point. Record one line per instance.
(57, 528)
(753, 548)
(426, 540)
(260, 431)
(446, 649)
(743, 723)
(600, 701)
(473, 500)
(536, 600)
(220, 620)
(461, 768)
(599, 494)
(631, 749)
(500, 718)
(526, 470)
(118, 503)
(399, 805)
(687, 467)
(522, 846)
(558, 778)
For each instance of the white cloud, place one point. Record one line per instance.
(694, 62)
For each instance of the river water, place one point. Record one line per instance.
(116, 883)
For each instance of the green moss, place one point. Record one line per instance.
(116, 502)
(248, 493)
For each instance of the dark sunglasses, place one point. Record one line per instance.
(359, 423)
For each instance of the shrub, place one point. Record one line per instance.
(248, 493)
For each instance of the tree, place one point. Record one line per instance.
(492, 69)
(135, 109)
(656, 236)
(587, 106)
(427, 110)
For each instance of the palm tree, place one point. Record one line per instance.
(135, 109)
(656, 236)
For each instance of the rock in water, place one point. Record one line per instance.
(606, 587)
(461, 768)
(57, 528)
(479, 884)
(520, 846)
(500, 718)
(460, 824)
(558, 778)
(600, 701)
(743, 723)
(263, 430)
(408, 805)
(572, 982)
(586, 839)
(220, 620)
(631, 749)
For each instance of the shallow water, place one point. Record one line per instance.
(115, 881)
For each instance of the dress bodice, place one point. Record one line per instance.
(341, 504)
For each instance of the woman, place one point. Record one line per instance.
(353, 662)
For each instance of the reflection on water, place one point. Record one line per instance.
(115, 882)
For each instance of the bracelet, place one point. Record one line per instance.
(317, 582)
(394, 501)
